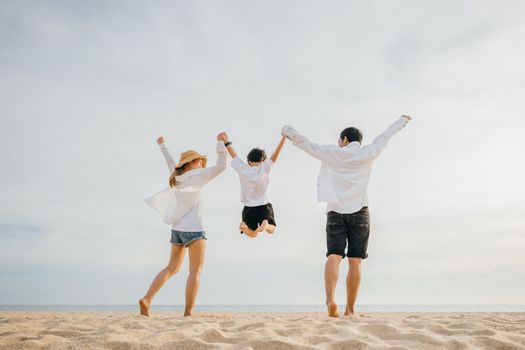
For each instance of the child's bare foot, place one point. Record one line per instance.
(332, 310)
(246, 230)
(144, 307)
(262, 227)
(270, 228)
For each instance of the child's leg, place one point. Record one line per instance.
(269, 219)
(265, 226)
(262, 226)
(270, 228)
(247, 231)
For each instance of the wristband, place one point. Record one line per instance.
(227, 144)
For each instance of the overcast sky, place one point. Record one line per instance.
(86, 87)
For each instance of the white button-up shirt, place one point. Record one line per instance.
(254, 181)
(345, 171)
(182, 206)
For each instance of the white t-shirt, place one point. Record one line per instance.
(254, 181)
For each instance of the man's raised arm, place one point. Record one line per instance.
(321, 152)
(378, 145)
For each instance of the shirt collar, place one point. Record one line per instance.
(353, 144)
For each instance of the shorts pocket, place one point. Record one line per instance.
(361, 219)
(334, 219)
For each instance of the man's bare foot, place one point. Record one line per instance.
(270, 228)
(187, 312)
(349, 312)
(262, 227)
(246, 230)
(332, 310)
(144, 307)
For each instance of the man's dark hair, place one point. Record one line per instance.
(352, 134)
(256, 155)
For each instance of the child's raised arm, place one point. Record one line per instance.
(278, 149)
(230, 148)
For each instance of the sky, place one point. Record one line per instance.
(87, 87)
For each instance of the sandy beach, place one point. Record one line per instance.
(122, 330)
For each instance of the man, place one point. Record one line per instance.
(342, 184)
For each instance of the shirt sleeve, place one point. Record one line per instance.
(374, 149)
(326, 153)
(209, 173)
(238, 165)
(267, 164)
(169, 159)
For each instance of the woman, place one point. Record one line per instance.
(180, 206)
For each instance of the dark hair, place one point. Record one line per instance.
(352, 134)
(256, 155)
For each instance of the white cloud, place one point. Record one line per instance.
(86, 89)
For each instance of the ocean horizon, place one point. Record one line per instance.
(267, 308)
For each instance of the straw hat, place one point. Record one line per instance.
(190, 155)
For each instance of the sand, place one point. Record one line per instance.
(121, 330)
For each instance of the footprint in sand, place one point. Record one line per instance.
(65, 334)
(349, 344)
(251, 326)
(491, 343)
(216, 336)
(486, 332)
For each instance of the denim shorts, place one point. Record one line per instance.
(186, 238)
(352, 229)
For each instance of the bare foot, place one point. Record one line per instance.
(247, 231)
(262, 227)
(349, 311)
(187, 312)
(144, 307)
(270, 228)
(332, 310)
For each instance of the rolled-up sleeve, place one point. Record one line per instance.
(321, 152)
(374, 149)
(238, 165)
(169, 159)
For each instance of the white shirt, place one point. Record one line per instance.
(182, 206)
(345, 171)
(254, 181)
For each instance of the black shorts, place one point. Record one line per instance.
(254, 216)
(352, 228)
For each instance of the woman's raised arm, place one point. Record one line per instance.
(222, 154)
(166, 153)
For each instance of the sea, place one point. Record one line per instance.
(267, 308)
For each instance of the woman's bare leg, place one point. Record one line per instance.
(197, 249)
(176, 259)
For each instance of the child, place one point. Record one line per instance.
(257, 215)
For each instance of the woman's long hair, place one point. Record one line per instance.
(177, 172)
